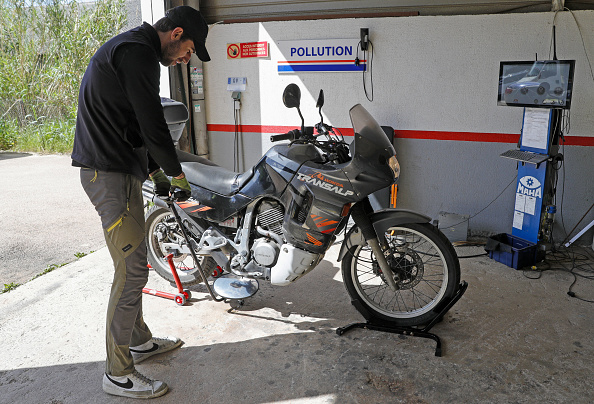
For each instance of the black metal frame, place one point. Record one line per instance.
(373, 323)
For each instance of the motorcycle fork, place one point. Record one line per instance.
(173, 210)
(360, 213)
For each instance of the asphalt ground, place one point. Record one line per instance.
(45, 216)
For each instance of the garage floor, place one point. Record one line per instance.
(514, 337)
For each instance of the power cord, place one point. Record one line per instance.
(237, 122)
(580, 265)
(358, 62)
(483, 209)
(370, 72)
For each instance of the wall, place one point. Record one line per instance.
(435, 82)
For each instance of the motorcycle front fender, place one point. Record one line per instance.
(381, 220)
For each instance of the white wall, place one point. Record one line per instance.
(152, 11)
(430, 73)
(433, 73)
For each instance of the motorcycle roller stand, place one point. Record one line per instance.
(180, 298)
(377, 324)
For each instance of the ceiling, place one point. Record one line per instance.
(229, 11)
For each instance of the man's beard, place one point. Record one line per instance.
(169, 52)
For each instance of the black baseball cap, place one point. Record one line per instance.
(194, 25)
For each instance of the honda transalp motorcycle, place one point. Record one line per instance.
(275, 222)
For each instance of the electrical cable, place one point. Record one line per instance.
(370, 72)
(577, 224)
(490, 203)
(236, 138)
(579, 265)
(581, 37)
(566, 118)
(470, 244)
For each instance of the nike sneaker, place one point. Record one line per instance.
(133, 385)
(154, 346)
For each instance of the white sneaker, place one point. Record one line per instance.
(154, 346)
(133, 385)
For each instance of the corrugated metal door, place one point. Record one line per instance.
(264, 10)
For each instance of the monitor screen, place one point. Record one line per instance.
(539, 84)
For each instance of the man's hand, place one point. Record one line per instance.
(161, 184)
(180, 188)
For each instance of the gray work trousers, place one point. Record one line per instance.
(117, 198)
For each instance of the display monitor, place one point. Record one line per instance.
(540, 84)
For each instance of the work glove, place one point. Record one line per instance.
(180, 189)
(161, 184)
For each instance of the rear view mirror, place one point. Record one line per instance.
(292, 96)
(320, 102)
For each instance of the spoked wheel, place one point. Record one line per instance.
(161, 228)
(425, 268)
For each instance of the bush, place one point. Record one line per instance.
(8, 135)
(45, 46)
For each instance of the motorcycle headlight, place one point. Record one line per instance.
(393, 163)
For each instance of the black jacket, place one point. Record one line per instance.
(120, 124)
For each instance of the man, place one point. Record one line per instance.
(121, 136)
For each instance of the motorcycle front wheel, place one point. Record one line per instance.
(160, 228)
(425, 268)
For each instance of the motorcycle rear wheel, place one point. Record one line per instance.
(426, 271)
(160, 227)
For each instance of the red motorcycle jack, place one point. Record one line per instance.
(181, 297)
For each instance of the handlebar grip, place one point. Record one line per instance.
(291, 135)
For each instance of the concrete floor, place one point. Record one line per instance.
(510, 339)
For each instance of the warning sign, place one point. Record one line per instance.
(247, 50)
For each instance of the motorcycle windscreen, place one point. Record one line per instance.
(372, 137)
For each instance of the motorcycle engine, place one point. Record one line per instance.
(265, 249)
(270, 217)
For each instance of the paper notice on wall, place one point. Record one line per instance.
(518, 220)
(520, 202)
(535, 131)
(530, 207)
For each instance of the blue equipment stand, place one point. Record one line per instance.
(529, 201)
(538, 151)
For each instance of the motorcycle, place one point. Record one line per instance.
(275, 222)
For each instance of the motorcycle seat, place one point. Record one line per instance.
(215, 178)
(185, 157)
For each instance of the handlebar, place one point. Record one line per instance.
(177, 196)
(291, 135)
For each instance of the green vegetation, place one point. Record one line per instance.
(11, 286)
(45, 46)
(47, 270)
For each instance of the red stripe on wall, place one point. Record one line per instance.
(264, 129)
(459, 136)
(408, 134)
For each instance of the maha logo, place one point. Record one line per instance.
(530, 186)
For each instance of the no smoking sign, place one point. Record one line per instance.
(247, 50)
(233, 51)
